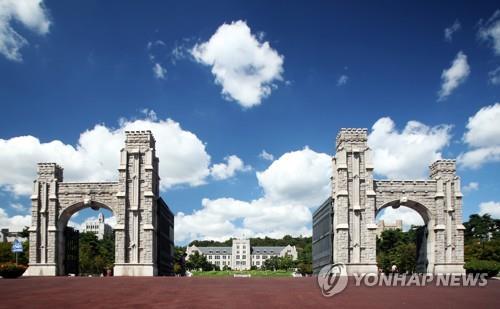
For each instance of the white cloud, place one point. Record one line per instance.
(490, 31)
(492, 208)
(407, 215)
(15, 223)
(471, 186)
(242, 64)
(226, 170)
(406, 154)
(266, 156)
(483, 136)
(159, 71)
(343, 79)
(454, 76)
(494, 76)
(31, 14)
(18, 207)
(183, 158)
(449, 31)
(301, 176)
(292, 185)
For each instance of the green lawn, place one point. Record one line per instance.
(254, 273)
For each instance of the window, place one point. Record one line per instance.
(264, 256)
(237, 247)
(237, 257)
(243, 262)
(243, 256)
(257, 263)
(217, 257)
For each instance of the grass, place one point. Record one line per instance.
(253, 273)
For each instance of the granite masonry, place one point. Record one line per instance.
(344, 227)
(144, 222)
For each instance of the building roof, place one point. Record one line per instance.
(267, 250)
(215, 250)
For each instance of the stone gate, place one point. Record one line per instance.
(344, 227)
(144, 224)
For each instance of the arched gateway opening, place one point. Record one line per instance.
(68, 245)
(403, 242)
(344, 226)
(144, 238)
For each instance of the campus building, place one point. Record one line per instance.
(384, 226)
(10, 236)
(241, 255)
(98, 227)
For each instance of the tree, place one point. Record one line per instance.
(198, 261)
(395, 247)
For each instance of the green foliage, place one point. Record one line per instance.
(305, 268)
(198, 261)
(6, 254)
(481, 228)
(253, 273)
(483, 267)
(303, 245)
(11, 270)
(278, 263)
(96, 255)
(177, 269)
(395, 247)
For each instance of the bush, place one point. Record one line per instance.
(11, 270)
(482, 267)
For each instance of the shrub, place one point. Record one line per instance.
(482, 267)
(11, 270)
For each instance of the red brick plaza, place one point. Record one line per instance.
(170, 292)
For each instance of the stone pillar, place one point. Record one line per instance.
(354, 225)
(43, 233)
(139, 185)
(448, 229)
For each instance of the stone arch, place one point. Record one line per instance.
(144, 223)
(62, 223)
(357, 196)
(425, 252)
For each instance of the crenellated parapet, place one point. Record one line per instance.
(350, 136)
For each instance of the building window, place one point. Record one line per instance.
(264, 256)
(237, 257)
(243, 256)
(257, 263)
(243, 262)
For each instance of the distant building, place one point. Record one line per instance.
(10, 236)
(98, 227)
(241, 255)
(382, 226)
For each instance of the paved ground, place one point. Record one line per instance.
(162, 292)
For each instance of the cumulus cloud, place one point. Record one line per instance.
(343, 79)
(483, 137)
(449, 31)
(159, 71)
(15, 223)
(406, 154)
(494, 76)
(292, 185)
(226, 170)
(489, 31)
(454, 76)
(243, 65)
(266, 156)
(471, 186)
(183, 157)
(492, 208)
(407, 215)
(29, 13)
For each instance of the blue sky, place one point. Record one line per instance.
(234, 79)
